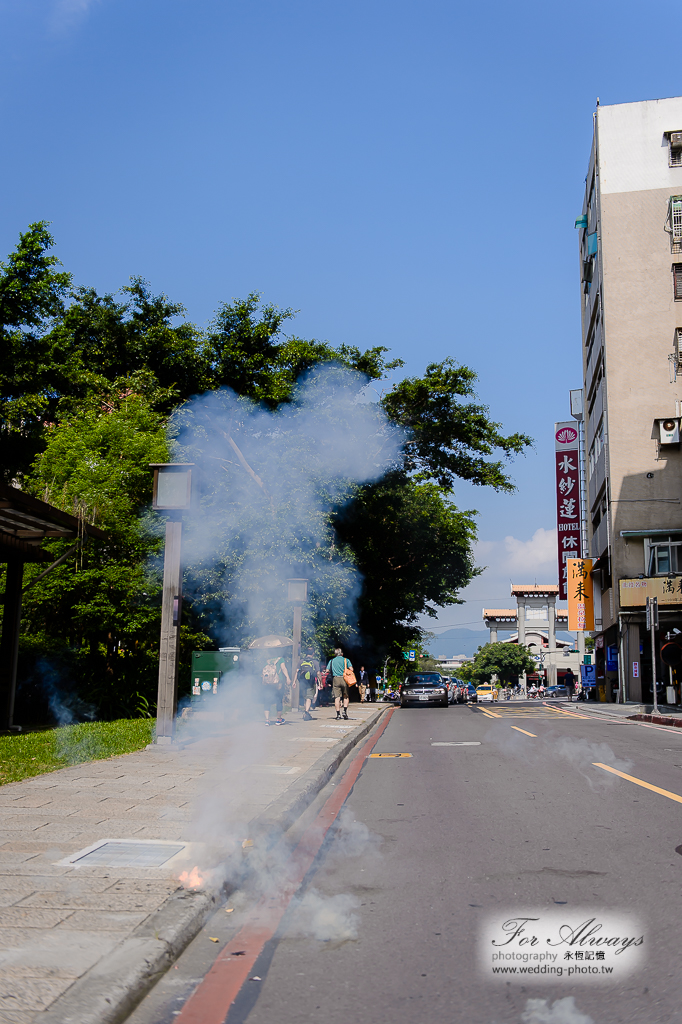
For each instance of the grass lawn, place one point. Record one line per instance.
(33, 753)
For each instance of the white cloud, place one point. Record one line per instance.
(539, 554)
(67, 13)
(512, 560)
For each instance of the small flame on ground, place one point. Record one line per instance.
(191, 879)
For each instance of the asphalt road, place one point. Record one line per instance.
(430, 847)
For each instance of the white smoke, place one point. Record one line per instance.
(270, 483)
(563, 1011)
(578, 752)
(325, 918)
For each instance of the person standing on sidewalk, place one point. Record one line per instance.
(362, 683)
(337, 666)
(271, 692)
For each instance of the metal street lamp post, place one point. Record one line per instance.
(172, 494)
(297, 593)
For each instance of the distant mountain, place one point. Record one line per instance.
(467, 641)
(459, 641)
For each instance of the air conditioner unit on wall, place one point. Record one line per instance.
(666, 431)
(676, 140)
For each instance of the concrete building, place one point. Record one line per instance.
(536, 612)
(450, 666)
(630, 241)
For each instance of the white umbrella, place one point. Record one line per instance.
(270, 641)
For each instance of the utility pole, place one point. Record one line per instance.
(652, 624)
(297, 594)
(296, 656)
(172, 495)
(171, 613)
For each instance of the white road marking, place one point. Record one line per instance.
(458, 743)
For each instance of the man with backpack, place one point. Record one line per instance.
(307, 682)
(342, 673)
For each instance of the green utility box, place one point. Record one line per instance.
(209, 671)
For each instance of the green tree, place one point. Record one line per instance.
(100, 339)
(95, 619)
(450, 439)
(32, 294)
(413, 548)
(506, 661)
(248, 352)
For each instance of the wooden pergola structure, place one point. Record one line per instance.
(25, 522)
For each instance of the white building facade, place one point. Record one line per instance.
(630, 242)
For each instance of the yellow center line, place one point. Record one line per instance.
(524, 731)
(639, 782)
(490, 714)
(572, 714)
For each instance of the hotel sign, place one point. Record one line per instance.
(633, 593)
(567, 461)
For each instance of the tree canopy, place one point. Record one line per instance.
(506, 661)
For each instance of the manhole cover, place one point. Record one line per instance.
(130, 855)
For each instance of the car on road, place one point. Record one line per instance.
(468, 692)
(424, 688)
(556, 691)
(453, 688)
(486, 692)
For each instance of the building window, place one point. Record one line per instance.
(596, 447)
(675, 151)
(674, 223)
(677, 280)
(663, 555)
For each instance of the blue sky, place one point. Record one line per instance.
(403, 173)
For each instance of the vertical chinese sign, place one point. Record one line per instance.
(567, 458)
(580, 596)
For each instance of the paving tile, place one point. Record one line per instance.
(31, 917)
(36, 971)
(64, 902)
(106, 823)
(114, 805)
(28, 800)
(28, 871)
(143, 885)
(8, 858)
(8, 897)
(58, 833)
(26, 822)
(17, 1017)
(59, 883)
(69, 956)
(31, 993)
(24, 846)
(122, 921)
(163, 831)
(12, 939)
(87, 783)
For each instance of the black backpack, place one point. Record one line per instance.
(306, 672)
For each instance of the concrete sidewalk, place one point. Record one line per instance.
(83, 943)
